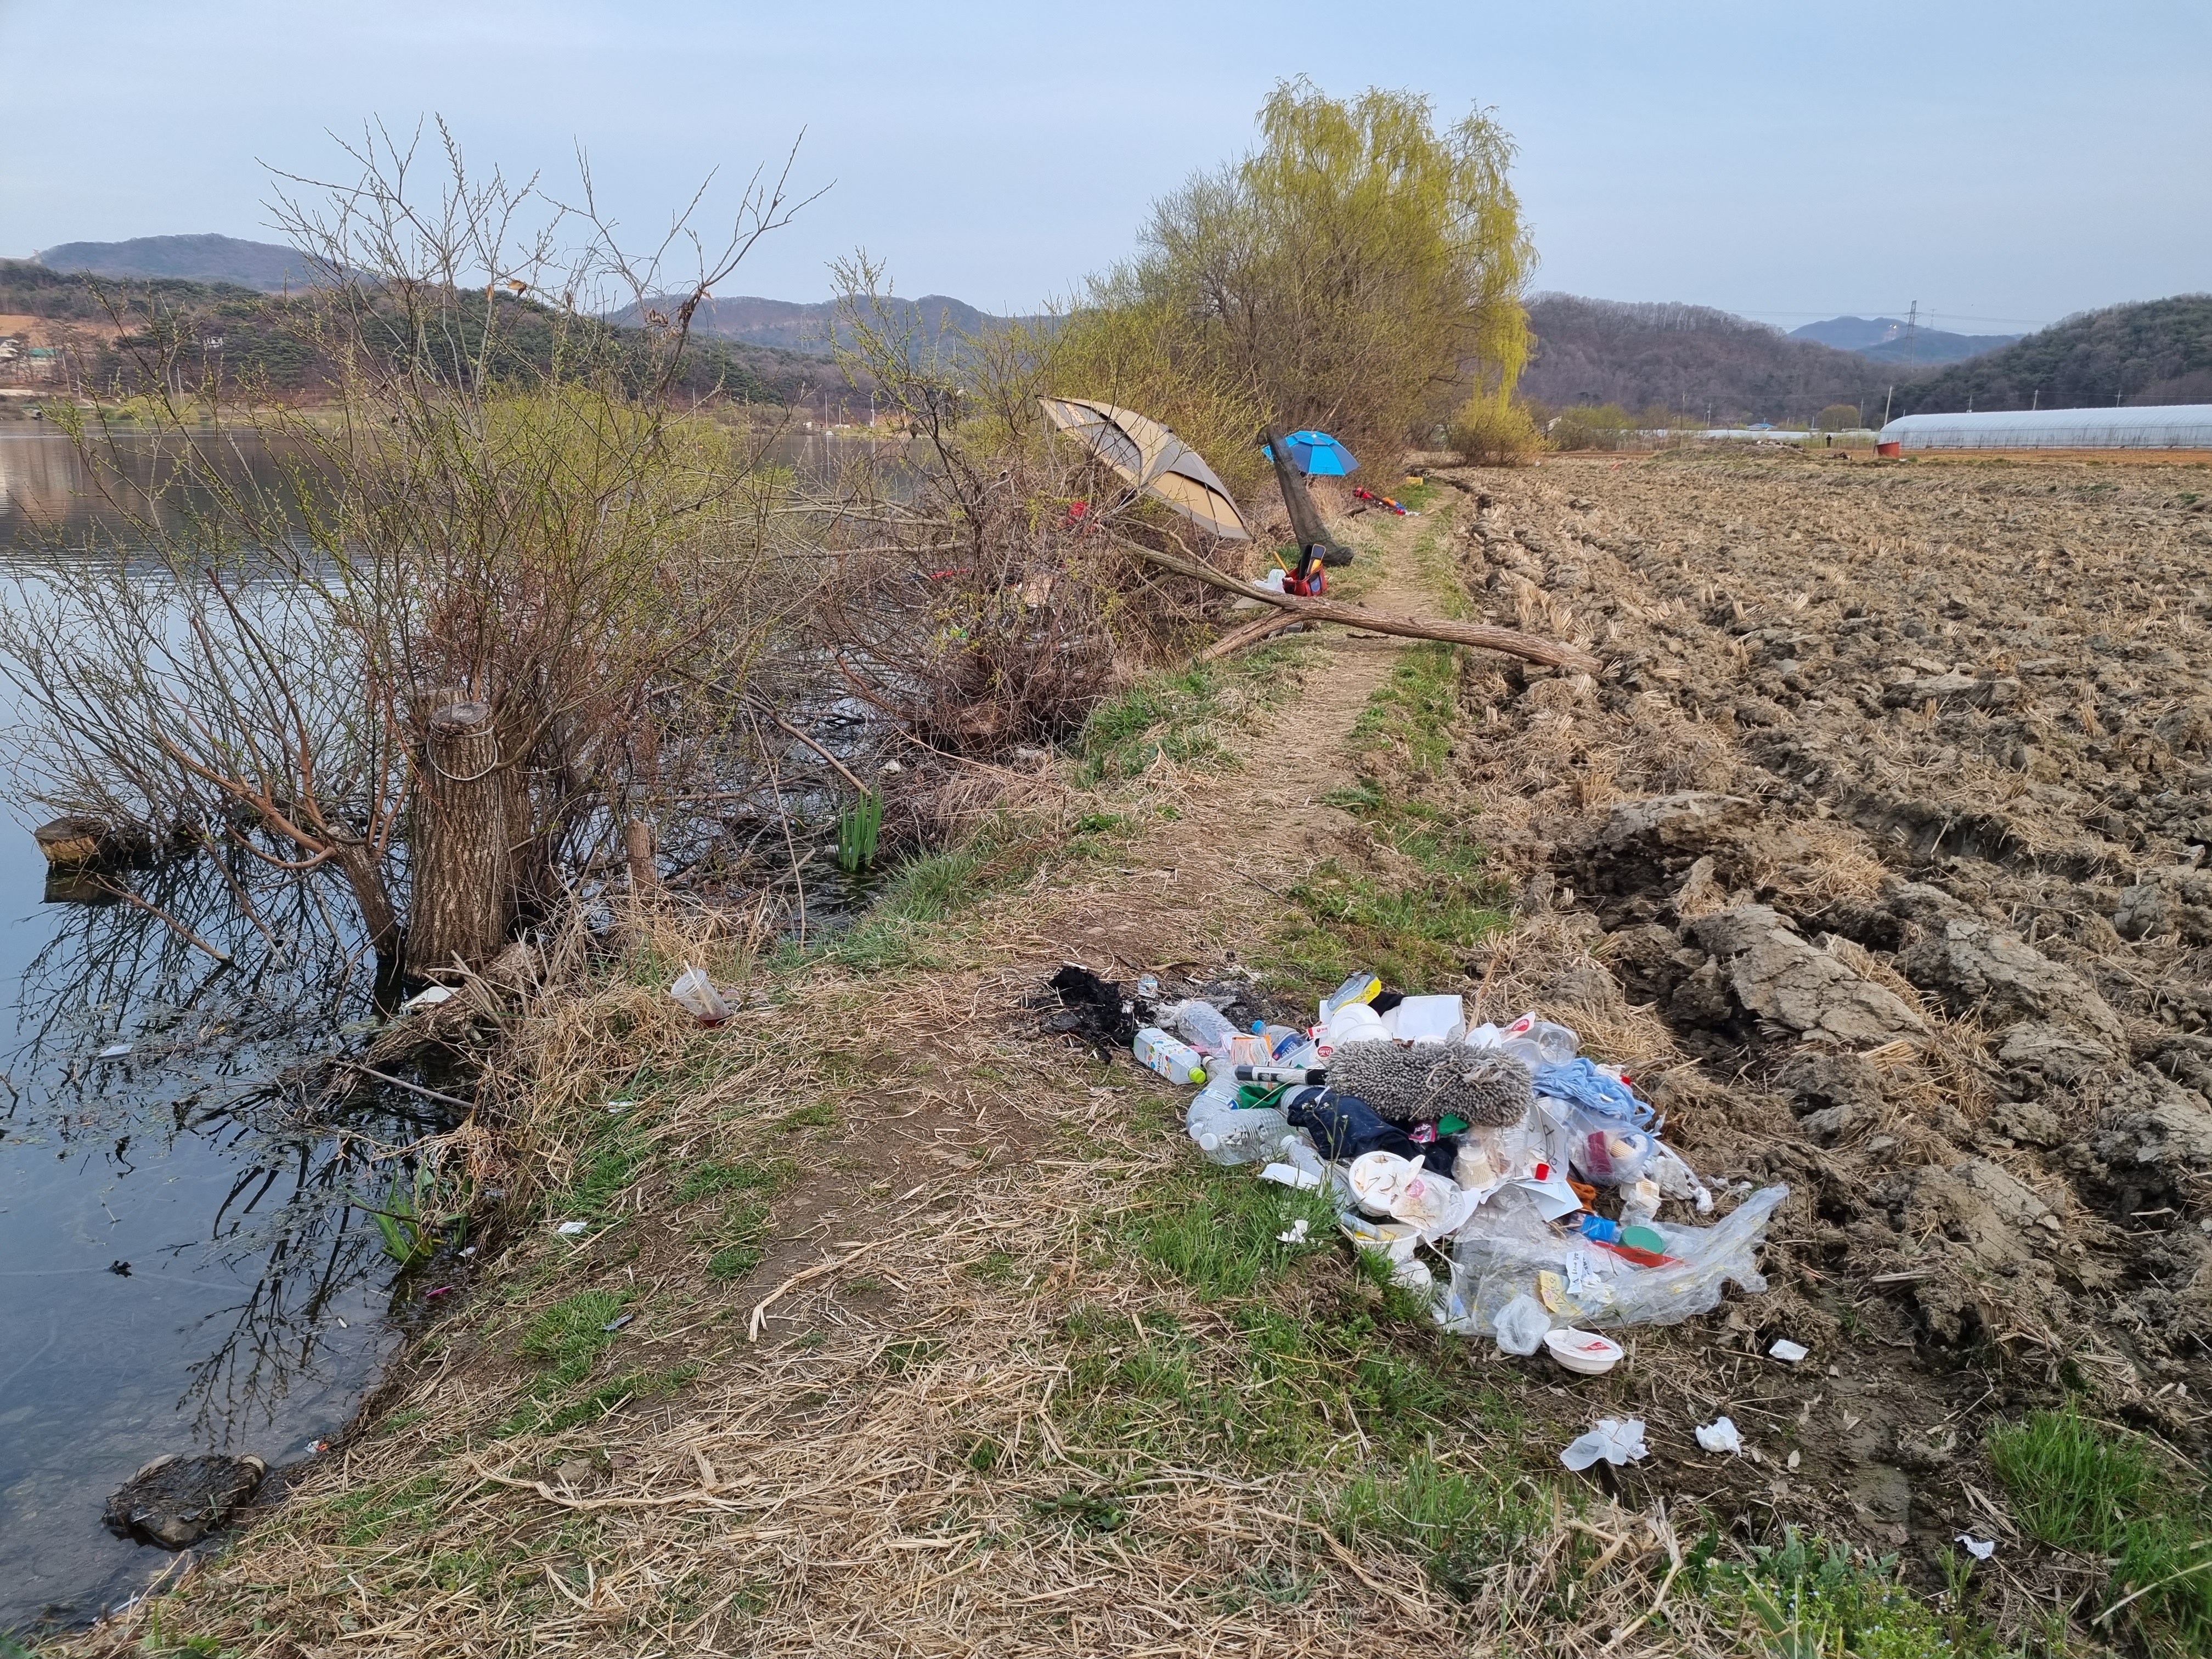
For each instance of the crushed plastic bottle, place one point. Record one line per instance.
(1201, 1025)
(1228, 1133)
(1178, 1062)
(1551, 1044)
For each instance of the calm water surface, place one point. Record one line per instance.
(180, 1268)
(181, 1265)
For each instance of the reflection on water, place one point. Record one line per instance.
(181, 1267)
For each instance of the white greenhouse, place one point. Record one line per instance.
(2175, 426)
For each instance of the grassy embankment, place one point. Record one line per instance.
(1053, 1385)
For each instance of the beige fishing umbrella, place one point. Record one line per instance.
(1153, 459)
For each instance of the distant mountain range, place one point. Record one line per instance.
(1692, 360)
(1710, 364)
(800, 326)
(209, 259)
(1888, 340)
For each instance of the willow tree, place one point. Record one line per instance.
(1361, 269)
(461, 636)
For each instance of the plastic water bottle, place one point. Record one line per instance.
(1178, 1062)
(1201, 1025)
(1227, 1134)
(1362, 987)
(1554, 1045)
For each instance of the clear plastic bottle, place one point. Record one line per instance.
(1554, 1045)
(1201, 1025)
(1227, 1134)
(1362, 987)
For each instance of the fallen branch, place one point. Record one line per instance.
(820, 750)
(163, 916)
(411, 1088)
(1229, 644)
(1510, 640)
(707, 1495)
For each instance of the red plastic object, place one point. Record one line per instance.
(1641, 1258)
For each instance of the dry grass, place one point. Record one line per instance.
(988, 1410)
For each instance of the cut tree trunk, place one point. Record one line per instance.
(1305, 517)
(1532, 647)
(464, 901)
(637, 851)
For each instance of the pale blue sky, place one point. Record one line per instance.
(2002, 163)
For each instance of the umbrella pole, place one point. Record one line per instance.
(1306, 518)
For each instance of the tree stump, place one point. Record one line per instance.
(464, 889)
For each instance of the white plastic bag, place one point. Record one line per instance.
(1520, 1324)
(1428, 1019)
(1614, 1439)
(694, 992)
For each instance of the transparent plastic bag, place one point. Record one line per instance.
(1500, 1252)
(1519, 1325)
(1606, 1151)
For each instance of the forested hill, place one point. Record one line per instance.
(2157, 351)
(209, 259)
(252, 336)
(806, 326)
(1892, 340)
(1690, 359)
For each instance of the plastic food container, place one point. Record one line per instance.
(1584, 1353)
(1428, 1020)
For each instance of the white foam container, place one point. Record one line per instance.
(1584, 1353)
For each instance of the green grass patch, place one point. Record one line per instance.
(609, 1396)
(2078, 1486)
(1414, 933)
(1414, 711)
(1179, 714)
(709, 1178)
(380, 1510)
(1307, 1358)
(566, 1338)
(739, 1242)
(927, 891)
(915, 1354)
(1810, 1598)
(1460, 1522)
(1218, 1235)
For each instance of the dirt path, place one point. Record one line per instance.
(794, 1391)
(897, 1328)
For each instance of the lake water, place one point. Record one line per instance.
(180, 1266)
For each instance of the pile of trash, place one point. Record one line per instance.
(1534, 1175)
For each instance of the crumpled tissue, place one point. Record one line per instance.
(1615, 1440)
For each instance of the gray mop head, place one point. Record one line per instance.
(1421, 1082)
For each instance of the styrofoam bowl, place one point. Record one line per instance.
(1584, 1353)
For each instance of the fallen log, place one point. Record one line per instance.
(1251, 634)
(1510, 640)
